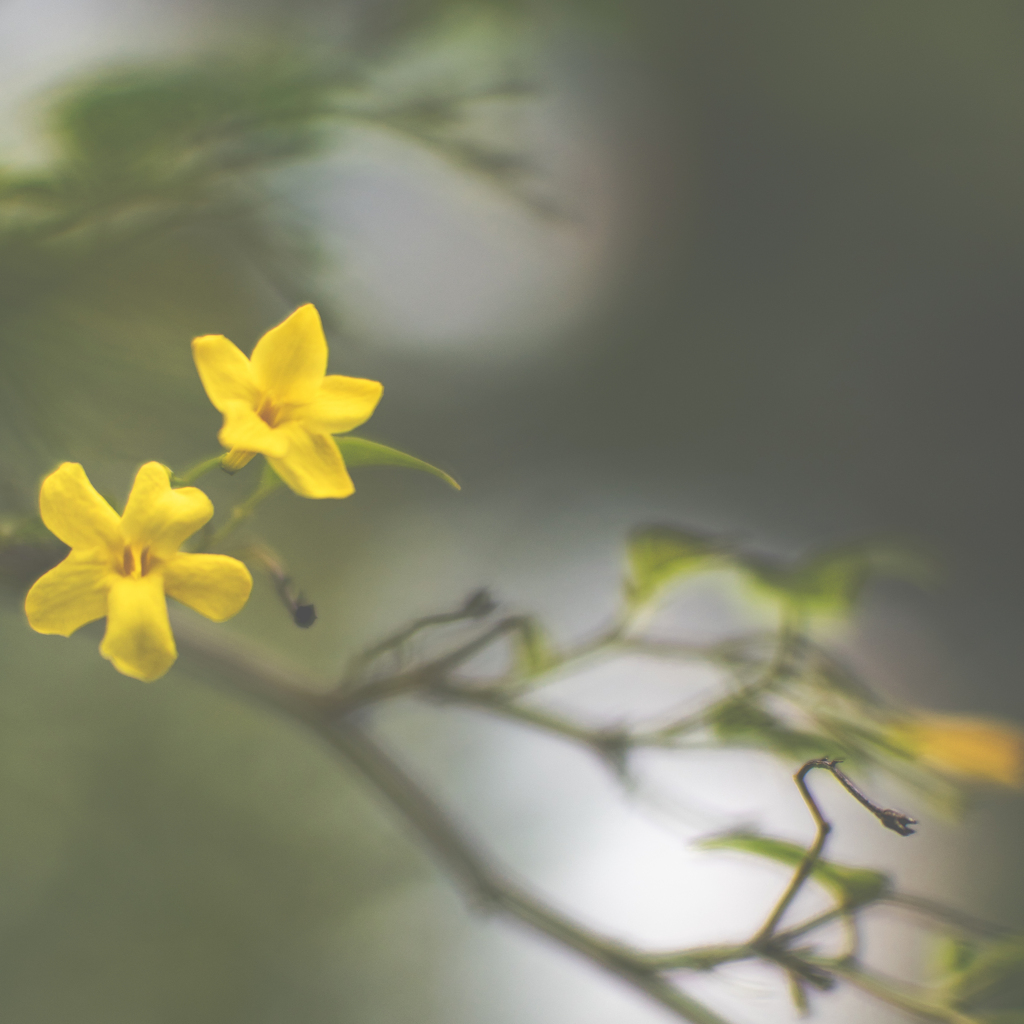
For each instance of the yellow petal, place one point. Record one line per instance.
(290, 360)
(138, 639)
(341, 404)
(214, 585)
(245, 431)
(70, 594)
(73, 510)
(160, 518)
(225, 371)
(313, 466)
(971, 747)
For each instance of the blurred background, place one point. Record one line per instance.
(752, 269)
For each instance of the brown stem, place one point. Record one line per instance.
(346, 700)
(895, 820)
(803, 872)
(227, 664)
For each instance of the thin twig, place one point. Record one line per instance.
(226, 664)
(489, 887)
(950, 915)
(920, 1002)
(303, 612)
(803, 872)
(423, 676)
(895, 820)
(193, 473)
(478, 605)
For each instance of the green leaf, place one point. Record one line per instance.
(743, 722)
(357, 451)
(831, 583)
(827, 585)
(659, 556)
(852, 887)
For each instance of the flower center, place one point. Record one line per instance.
(268, 412)
(129, 567)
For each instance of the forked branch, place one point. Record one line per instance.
(895, 820)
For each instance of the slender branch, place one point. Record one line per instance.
(485, 884)
(725, 652)
(424, 676)
(303, 612)
(528, 714)
(895, 820)
(700, 958)
(478, 605)
(803, 872)
(612, 744)
(242, 511)
(328, 713)
(787, 935)
(193, 473)
(496, 699)
(938, 911)
(490, 887)
(919, 1003)
(767, 677)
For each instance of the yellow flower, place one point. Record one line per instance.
(122, 566)
(280, 404)
(971, 747)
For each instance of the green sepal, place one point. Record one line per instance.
(357, 451)
(659, 556)
(852, 887)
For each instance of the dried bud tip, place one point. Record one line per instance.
(479, 604)
(898, 822)
(304, 615)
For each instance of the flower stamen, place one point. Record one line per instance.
(268, 412)
(128, 560)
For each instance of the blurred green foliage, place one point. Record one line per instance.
(827, 583)
(851, 887)
(171, 855)
(160, 212)
(790, 694)
(984, 979)
(658, 557)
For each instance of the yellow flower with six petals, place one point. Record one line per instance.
(281, 405)
(122, 567)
